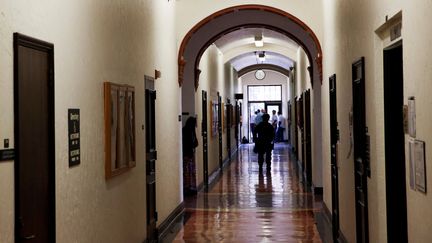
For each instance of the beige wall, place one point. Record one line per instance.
(302, 74)
(94, 42)
(417, 72)
(349, 28)
(302, 79)
(215, 77)
(168, 108)
(121, 42)
(335, 52)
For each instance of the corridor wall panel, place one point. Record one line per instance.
(216, 76)
(97, 41)
(349, 33)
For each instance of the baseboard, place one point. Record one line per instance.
(302, 171)
(234, 151)
(212, 176)
(300, 165)
(323, 224)
(165, 226)
(226, 162)
(217, 172)
(328, 217)
(200, 186)
(327, 213)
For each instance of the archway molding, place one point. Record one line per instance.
(272, 67)
(208, 30)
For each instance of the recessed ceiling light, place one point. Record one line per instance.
(259, 42)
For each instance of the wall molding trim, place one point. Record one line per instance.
(327, 213)
(166, 225)
(216, 173)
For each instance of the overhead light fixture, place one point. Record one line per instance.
(259, 42)
(261, 56)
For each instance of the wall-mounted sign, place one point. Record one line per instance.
(7, 154)
(411, 117)
(417, 165)
(395, 31)
(74, 137)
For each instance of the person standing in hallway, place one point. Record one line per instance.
(264, 136)
(258, 120)
(190, 142)
(252, 122)
(274, 120)
(281, 127)
(258, 117)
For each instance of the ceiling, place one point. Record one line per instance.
(250, 58)
(240, 48)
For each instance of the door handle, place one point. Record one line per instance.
(29, 237)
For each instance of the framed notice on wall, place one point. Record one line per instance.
(74, 137)
(119, 112)
(417, 163)
(214, 118)
(411, 117)
(223, 113)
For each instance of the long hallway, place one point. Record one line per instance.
(112, 111)
(244, 205)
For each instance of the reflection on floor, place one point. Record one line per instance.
(245, 205)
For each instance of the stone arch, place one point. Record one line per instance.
(272, 67)
(208, 30)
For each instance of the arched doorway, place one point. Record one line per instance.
(231, 19)
(203, 34)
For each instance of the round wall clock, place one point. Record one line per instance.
(260, 74)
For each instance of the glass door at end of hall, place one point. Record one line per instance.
(270, 107)
(253, 107)
(267, 106)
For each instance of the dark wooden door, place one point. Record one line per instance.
(289, 120)
(220, 130)
(300, 120)
(204, 135)
(308, 138)
(360, 160)
(296, 127)
(395, 145)
(270, 106)
(334, 137)
(228, 126)
(34, 140)
(240, 122)
(151, 156)
(236, 122)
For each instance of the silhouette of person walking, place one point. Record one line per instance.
(264, 136)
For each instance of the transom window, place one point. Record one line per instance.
(265, 93)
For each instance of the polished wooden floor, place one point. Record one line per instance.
(246, 205)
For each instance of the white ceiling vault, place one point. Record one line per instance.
(239, 48)
(250, 58)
